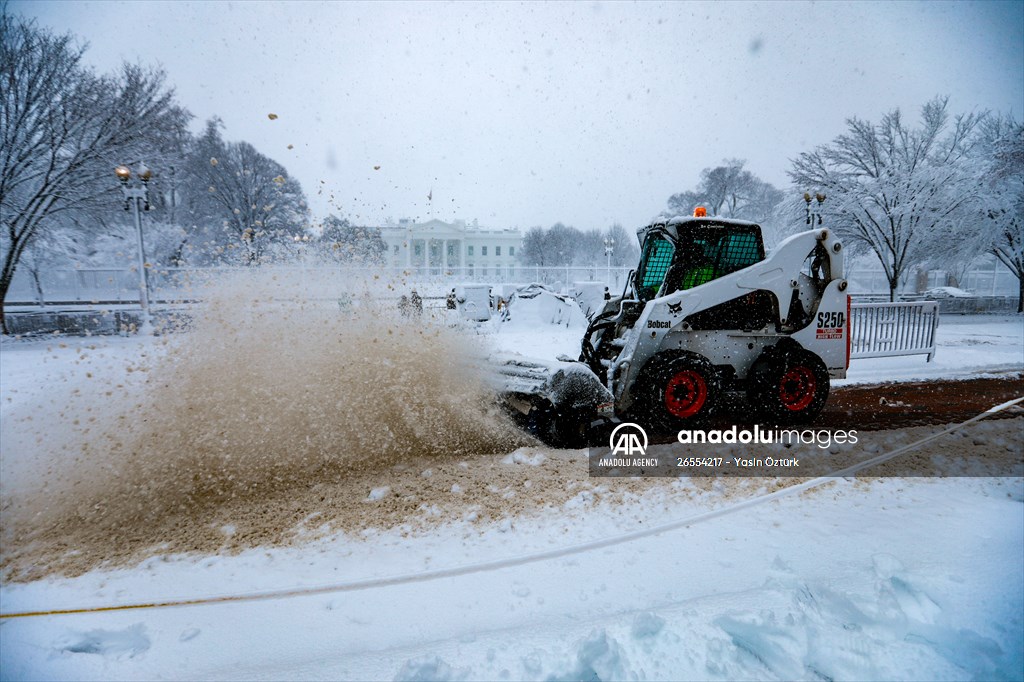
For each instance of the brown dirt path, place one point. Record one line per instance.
(915, 403)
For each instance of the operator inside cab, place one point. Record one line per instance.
(695, 268)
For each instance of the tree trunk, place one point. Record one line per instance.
(178, 257)
(5, 284)
(1020, 292)
(6, 277)
(39, 285)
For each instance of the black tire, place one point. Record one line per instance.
(788, 387)
(676, 390)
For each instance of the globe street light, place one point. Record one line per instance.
(811, 213)
(136, 200)
(609, 247)
(301, 242)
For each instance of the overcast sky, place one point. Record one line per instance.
(528, 114)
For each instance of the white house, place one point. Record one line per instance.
(436, 247)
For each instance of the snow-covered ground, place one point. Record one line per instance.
(968, 346)
(889, 581)
(866, 579)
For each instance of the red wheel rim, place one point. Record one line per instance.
(797, 388)
(686, 394)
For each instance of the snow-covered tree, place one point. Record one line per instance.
(237, 199)
(62, 131)
(728, 191)
(347, 243)
(204, 237)
(626, 251)
(562, 245)
(788, 217)
(890, 186)
(46, 250)
(1002, 195)
(589, 248)
(532, 251)
(556, 246)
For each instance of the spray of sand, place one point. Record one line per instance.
(266, 393)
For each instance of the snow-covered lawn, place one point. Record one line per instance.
(858, 579)
(968, 345)
(891, 580)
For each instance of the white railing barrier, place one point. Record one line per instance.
(886, 329)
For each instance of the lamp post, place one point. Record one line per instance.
(136, 200)
(816, 212)
(301, 242)
(609, 247)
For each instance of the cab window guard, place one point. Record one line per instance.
(657, 258)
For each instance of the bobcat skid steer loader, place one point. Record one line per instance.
(705, 312)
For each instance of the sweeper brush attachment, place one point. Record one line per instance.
(562, 403)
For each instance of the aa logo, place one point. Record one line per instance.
(628, 439)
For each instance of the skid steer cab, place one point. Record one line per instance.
(707, 312)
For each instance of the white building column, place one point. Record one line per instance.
(444, 255)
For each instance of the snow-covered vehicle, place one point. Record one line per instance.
(545, 306)
(474, 301)
(947, 292)
(705, 312)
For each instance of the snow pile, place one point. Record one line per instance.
(129, 642)
(534, 304)
(590, 296)
(378, 494)
(525, 456)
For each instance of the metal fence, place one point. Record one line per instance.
(98, 286)
(878, 329)
(885, 329)
(975, 305)
(952, 305)
(121, 285)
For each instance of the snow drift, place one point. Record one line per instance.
(536, 304)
